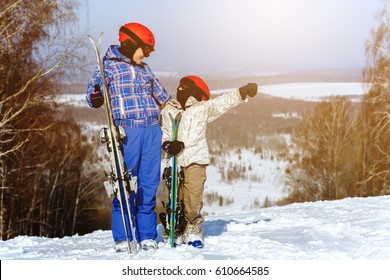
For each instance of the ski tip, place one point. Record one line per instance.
(100, 37)
(99, 40)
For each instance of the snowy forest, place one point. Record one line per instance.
(48, 183)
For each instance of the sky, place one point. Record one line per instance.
(242, 37)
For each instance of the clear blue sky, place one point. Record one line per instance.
(242, 36)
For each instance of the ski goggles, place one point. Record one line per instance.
(147, 50)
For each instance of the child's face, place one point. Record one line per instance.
(138, 56)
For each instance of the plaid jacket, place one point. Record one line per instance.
(135, 93)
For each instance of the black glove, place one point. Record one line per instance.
(173, 147)
(249, 89)
(97, 99)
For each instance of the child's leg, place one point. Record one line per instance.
(192, 193)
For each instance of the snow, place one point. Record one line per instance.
(291, 115)
(347, 238)
(348, 229)
(77, 100)
(264, 180)
(313, 91)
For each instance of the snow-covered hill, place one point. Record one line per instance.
(348, 229)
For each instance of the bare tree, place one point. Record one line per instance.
(375, 147)
(42, 149)
(323, 166)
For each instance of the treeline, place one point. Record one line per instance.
(246, 125)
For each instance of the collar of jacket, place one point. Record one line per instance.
(190, 101)
(113, 53)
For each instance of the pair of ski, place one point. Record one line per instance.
(121, 183)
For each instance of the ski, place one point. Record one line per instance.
(173, 218)
(174, 184)
(120, 182)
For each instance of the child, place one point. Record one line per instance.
(136, 96)
(191, 147)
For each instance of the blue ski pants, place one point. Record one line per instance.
(142, 156)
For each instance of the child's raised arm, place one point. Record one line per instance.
(223, 103)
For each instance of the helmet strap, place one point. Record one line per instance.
(198, 94)
(183, 95)
(128, 48)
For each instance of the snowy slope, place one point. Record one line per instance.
(348, 229)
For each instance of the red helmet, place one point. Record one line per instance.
(139, 34)
(199, 84)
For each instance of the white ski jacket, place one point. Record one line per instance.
(192, 128)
